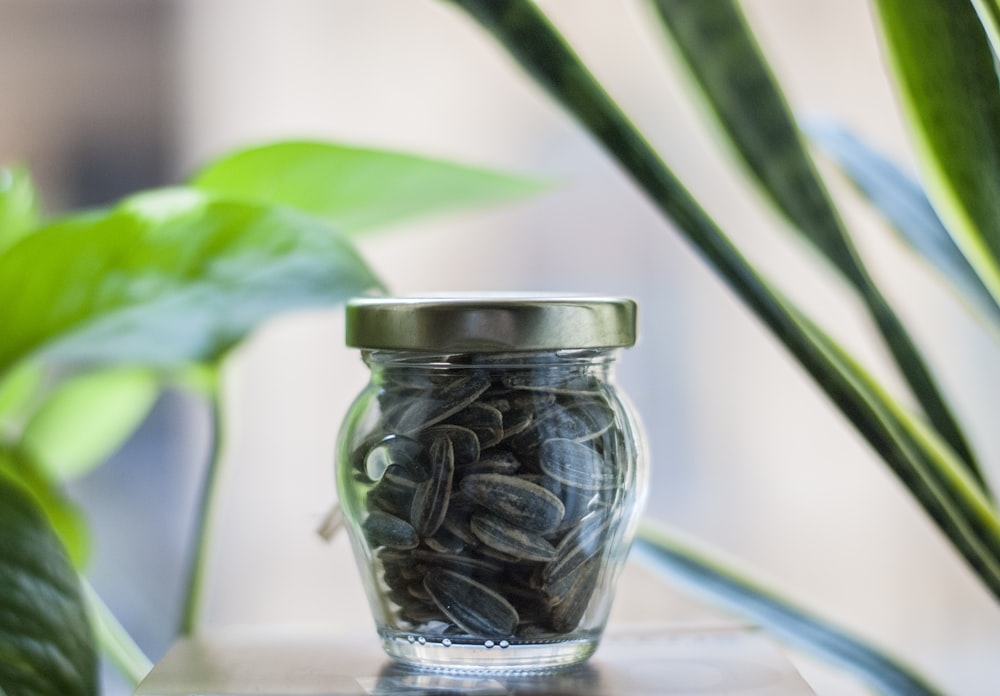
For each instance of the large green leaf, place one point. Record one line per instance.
(947, 83)
(707, 572)
(989, 15)
(901, 199)
(87, 418)
(18, 205)
(65, 517)
(46, 646)
(356, 188)
(18, 392)
(521, 28)
(167, 277)
(723, 58)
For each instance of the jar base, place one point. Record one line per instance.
(460, 654)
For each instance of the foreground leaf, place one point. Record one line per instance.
(87, 418)
(989, 15)
(46, 647)
(18, 392)
(902, 201)
(947, 82)
(719, 49)
(356, 188)
(706, 572)
(65, 517)
(165, 278)
(527, 34)
(18, 205)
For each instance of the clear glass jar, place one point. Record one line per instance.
(491, 476)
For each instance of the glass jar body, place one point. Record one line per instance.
(490, 500)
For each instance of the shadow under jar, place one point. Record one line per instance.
(491, 476)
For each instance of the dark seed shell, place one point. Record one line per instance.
(430, 499)
(410, 415)
(494, 462)
(482, 419)
(475, 608)
(383, 529)
(566, 614)
(576, 464)
(516, 500)
(464, 443)
(517, 542)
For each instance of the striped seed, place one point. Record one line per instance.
(517, 542)
(382, 529)
(515, 499)
(482, 419)
(430, 499)
(575, 464)
(472, 606)
(412, 414)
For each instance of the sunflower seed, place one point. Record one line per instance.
(520, 543)
(391, 451)
(382, 529)
(576, 464)
(516, 500)
(494, 462)
(475, 608)
(577, 547)
(430, 499)
(566, 614)
(482, 419)
(410, 415)
(551, 382)
(464, 443)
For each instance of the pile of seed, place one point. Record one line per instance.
(490, 497)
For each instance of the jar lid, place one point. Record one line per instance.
(490, 323)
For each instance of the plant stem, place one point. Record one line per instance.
(203, 522)
(114, 640)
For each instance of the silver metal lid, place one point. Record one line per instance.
(490, 323)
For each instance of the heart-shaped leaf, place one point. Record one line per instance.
(356, 188)
(87, 418)
(46, 646)
(167, 277)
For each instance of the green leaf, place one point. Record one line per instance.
(947, 83)
(87, 418)
(356, 188)
(65, 517)
(18, 391)
(46, 646)
(989, 15)
(18, 205)
(527, 34)
(904, 204)
(723, 57)
(167, 277)
(707, 572)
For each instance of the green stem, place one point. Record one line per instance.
(114, 640)
(199, 556)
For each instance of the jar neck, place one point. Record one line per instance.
(599, 361)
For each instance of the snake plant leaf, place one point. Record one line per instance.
(87, 418)
(18, 205)
(356, 189)
(902, 201)
(46, 645)
(725, 62)
(989, 15)
(167, 277)
(710, 573)
(947, 83)
(925, 464)
(529, 37)
(66, 518)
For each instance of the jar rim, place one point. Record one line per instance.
(490, 322)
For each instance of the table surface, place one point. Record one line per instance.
(731, 659)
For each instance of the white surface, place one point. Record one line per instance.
(649, 659)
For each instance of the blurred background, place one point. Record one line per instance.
(104, 97)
